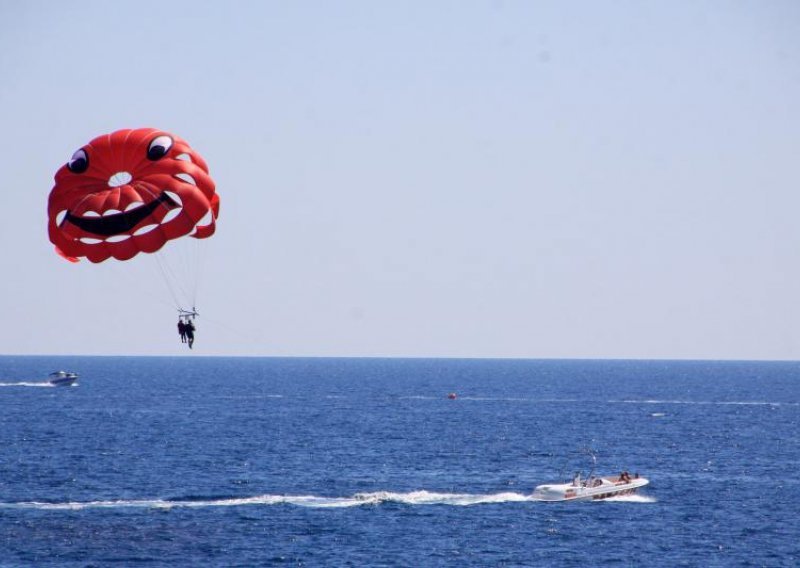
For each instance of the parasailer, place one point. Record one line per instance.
(182, 330)
(130, 192)
(190, 329)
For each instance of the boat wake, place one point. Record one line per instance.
(413, 498)
(612, 401)
(28, 384)
(632, 499)
(708, 402)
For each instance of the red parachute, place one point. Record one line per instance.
(128, 192)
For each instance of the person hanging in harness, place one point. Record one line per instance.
(182, 330)
(190, 329)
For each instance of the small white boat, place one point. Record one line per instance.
(591, 488)
(62, 378)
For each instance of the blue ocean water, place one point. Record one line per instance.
(366, 462)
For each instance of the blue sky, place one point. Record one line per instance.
(456, 179)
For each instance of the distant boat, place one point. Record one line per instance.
(62, 378)
(452, 396)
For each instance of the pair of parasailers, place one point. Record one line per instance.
(186, 330)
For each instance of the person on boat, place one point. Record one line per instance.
(182, 330)
(190, 329)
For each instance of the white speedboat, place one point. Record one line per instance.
(62, 378)
(592, 487)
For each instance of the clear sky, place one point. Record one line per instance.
(423, 178)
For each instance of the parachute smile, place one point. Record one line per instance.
(208, 218)
(115, 224)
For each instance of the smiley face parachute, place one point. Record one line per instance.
(131, 192)
(128, 192)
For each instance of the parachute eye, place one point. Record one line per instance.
(159, 147)
(79, 162)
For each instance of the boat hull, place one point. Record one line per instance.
(63, 382)
(62, 378)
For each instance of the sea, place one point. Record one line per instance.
(204, 461)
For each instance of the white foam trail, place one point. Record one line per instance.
(358, 500)
(413, 498)
(420, 397)
(624, 401)
(252, 397)
(27, 384)
(429, 498)
(710, 402)
(633, 499)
